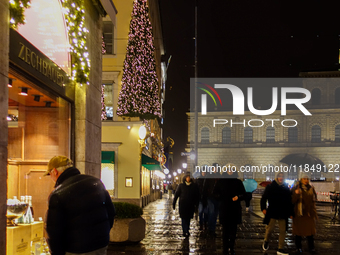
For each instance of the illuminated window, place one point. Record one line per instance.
(270, 135)
(248, 135)
(316, 134)
(337, 133)
(292, 134)
(108, 36)
(108, 99)
(107, 177)
(205, 135)
(226, 135)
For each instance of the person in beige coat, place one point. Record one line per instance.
(305, 216)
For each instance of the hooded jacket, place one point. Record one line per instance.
(80, 214)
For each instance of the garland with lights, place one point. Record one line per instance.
(75, 21)
(139, 95)
(16, 12)
(103, 116)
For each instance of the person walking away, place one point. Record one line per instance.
(279, 210)
(305, 216)
(248, 197)
(80, 211)
(230, 192)
(174, 187)
(188, 195)
(203, 203)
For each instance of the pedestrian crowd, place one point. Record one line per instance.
(219, 196)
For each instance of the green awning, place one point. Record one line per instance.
(108, 157)
(150, 163)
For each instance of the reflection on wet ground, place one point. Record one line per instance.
(164, 234)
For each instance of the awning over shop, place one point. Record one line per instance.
(150, 163)
(108, 157)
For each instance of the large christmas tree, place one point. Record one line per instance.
(139, 94)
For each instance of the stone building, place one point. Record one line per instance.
(267, 142)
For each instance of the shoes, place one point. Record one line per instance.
(265, 245)
(247, 209)
(282, 252)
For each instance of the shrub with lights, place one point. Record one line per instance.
(139, 96)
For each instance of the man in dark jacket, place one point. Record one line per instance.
(80, 211)
(280, 209)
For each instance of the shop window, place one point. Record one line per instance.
(270, 135)
(337, 96)
(108, 37)
(205, 135)
(337, 134)
(316, 134)
(108, 99)
(292, 134)
(248, 135)
(226, 135)
(316, 96)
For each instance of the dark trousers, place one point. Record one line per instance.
(185, 225)
(298, 242)
(229, 236)
(247, 198)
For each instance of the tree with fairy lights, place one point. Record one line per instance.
(139, 94)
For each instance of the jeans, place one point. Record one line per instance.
(282, 228)
(101, 251)
(203, 213)
(212, 212)
(185, 225)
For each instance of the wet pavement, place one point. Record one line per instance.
(164, 234)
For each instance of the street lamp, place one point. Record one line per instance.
(142, 134)
(169, 176)
(185, 165)
(174, 173)
(179, 171)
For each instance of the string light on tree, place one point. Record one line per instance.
(103, 116)
(139, 96)
(16, 12)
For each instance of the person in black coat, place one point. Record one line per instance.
(80, 211)
(280, 208)
(230, 192)
(203, 203)
(188, 194)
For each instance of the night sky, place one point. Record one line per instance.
(242, 38)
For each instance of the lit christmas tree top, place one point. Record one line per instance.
(139, 95)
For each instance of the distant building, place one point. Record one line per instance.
(250, 147)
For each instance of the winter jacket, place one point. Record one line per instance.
(80, 214)
(188, 199)
(280, 202)
(225, 190)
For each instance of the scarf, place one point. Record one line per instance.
(187, 183)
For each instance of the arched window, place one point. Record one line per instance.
(316, 134)
(226, 135)
(337, 96)
(205, 135)
(270, 135)
(248, 173)
(248, 135)
(316, 96)
(292, 134)
(337, 134)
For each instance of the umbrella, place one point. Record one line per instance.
(264, 184)
(250, 185)
(298, 159)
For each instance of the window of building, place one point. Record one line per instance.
(270, 135)
(248, 135)
(292, 134)
(337, 133)
(337, 96)
(316, 96)
(226, 135)
(108, 32)
(248, 173)
(108, 100)
(205, 135)
(316, 134)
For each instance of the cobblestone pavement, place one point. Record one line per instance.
(163, 234)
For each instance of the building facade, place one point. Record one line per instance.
(262, 143)
(130, 177)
